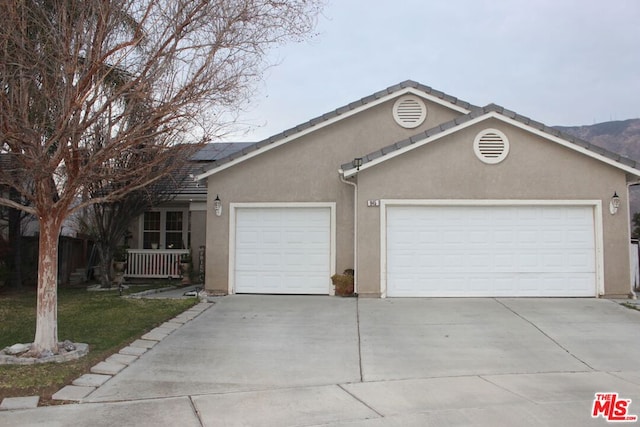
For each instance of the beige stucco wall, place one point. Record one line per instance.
(534, 169)
(305, 170)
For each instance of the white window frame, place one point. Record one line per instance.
(163, 226)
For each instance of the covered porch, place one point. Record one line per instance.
(155, 263)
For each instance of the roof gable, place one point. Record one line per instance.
(406, 87)
(478, 115)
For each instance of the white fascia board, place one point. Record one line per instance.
(565, 143)
(436, 100)
(383, 99)
(628, 169)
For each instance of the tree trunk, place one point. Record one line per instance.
(106, 260)
(46, 339)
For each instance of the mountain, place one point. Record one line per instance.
(621, 137)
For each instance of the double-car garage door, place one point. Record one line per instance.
(454, 251)
(428, 251)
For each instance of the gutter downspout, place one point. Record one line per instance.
(632, 293)
(355, 228)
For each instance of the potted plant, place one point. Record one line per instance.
(120, 258)
(344, 283)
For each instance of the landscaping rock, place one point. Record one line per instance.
(68, 345)
(17, 349)
(14, 355)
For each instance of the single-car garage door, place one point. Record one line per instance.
(483, 251)
(283, 250)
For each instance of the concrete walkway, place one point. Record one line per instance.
(305, 361)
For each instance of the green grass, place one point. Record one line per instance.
(103, 320)
(631, 306)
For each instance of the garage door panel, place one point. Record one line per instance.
(504, 251)
(248, 237)
(505, 237)
(273, 238)
(246, 259)
(495, 285)
(580, 261)
(578, 238)
(553, 238)
(283, 250)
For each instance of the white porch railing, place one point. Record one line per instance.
(154, 263)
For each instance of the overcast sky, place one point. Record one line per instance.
(561, 62)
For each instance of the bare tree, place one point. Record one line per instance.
(108, 223)
(88, 85)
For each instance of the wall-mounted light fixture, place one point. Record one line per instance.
(614, 204)
(217, 205)
(357, 162)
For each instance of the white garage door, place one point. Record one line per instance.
(283, 250)
(450, 251)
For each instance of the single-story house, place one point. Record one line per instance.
(423, 195)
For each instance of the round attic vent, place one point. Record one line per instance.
(491, 146)
(409, 111)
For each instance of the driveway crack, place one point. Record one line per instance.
(360, 400)
(545, 334)
(195, 411)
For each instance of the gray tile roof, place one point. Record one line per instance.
(216, 151)
(203, 160)
(338, 112)
(478, 112)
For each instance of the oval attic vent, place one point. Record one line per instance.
(409, 111)
(491, 146)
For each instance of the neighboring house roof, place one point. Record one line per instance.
(408, 86)
(200, 162)
(500, 113)
(218, 150)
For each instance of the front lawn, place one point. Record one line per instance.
(103, 320)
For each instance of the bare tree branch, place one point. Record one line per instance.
(88, 85)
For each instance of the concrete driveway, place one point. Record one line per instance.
(305, 361)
